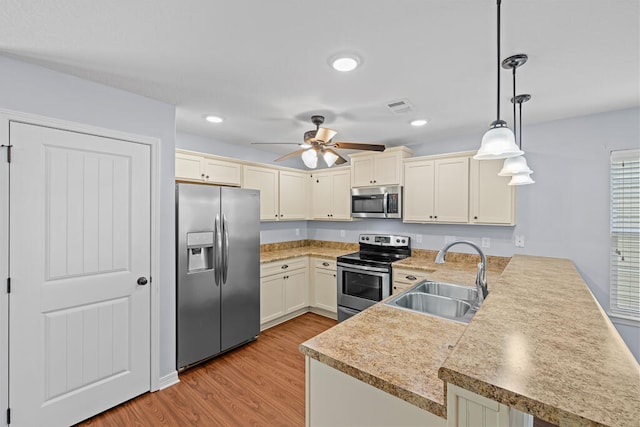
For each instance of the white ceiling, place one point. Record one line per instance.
(263, 65)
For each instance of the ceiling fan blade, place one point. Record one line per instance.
(292, 154)
(340, 160)
(324, 135)
(359, 146)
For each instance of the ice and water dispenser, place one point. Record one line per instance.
(200, 251)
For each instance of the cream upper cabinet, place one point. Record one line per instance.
(378, 168)
(207, 169)
(492, 199)
(437, 190)
(294, 195)
(221, 172)
(189, 167)
(284, 195)
(265, 180)
(331, 194)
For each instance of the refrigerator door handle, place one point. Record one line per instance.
(218, 256)
(225, 252)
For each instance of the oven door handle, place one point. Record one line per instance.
(352, 267)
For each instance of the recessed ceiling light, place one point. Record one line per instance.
(419, 122)
(213, 119)
(345, 62)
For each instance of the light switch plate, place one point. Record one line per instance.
(486, 242)
(418, 238)
(342, 233)
(297, 231)
(519, 241)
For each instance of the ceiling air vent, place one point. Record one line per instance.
(400, 106)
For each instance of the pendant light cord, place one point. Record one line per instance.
(514, 99)
(498, 64)
(520, 118)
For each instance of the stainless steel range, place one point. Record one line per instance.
(364, 277)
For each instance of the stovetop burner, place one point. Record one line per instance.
(379, 250)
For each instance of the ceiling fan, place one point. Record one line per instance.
(318, 143)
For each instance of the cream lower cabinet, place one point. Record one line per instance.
(467, 409)
(284, 289)
(324, 291)
(436, 190)
(331, 195)
(404, 278)
(493, 200)
(337, 399)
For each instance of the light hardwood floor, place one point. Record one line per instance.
(259, 384)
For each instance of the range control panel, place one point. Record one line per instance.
(384, 240)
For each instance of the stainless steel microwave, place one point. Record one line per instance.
(376, 202)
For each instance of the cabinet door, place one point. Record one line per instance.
(341, 195)
(418, 191)
(189, 167)
(265, 180)
(221, 172)
(452, 190)
(492, 199)
(271, 298)
(294, 195)
(321, 193)
(362, 171)
(325, 291)
(387, 169)
(296, 290)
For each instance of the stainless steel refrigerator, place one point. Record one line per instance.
(218, 270)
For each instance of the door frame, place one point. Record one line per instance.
(7, 116)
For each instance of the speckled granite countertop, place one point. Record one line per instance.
(319, 248)
(539, 343)
(542, 344)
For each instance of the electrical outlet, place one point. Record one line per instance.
(297, 231)
(449, 239)
(486, 242)
(342, 233)
(418, 238)
(519, 241)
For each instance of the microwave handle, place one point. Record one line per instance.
(385, 201)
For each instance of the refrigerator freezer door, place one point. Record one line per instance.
(198, 296)
(241, 289)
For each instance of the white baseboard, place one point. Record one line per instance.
(169, 380)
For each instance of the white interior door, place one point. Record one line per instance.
(79, 323)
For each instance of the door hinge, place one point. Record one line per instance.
(8, 152)
(8, 285)
(8, 415)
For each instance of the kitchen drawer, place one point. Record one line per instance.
(410, 277)
(276, 267)
(325, 263)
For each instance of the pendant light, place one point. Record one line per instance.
(523, 175)
(516, 165)
(499, 141)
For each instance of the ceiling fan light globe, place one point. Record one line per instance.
(514, 165)
(330, 158)
(310, 158)
(498, 143)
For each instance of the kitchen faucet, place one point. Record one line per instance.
(481, 277)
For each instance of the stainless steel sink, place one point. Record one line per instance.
(449, 290)
(446, 300)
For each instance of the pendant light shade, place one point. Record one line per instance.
(521, 179)
(514, 165)
(498, 143)
(310, 158)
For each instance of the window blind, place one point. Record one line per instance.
(625, 233)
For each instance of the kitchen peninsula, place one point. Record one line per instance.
(540, 343)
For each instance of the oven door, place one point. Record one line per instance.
(361, 286)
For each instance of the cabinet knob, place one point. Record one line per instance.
(207, 176)
(411, 277)
(280, 215)
(435, 216)
(284, 267)
(202, 174)
(475, 217)
(334, 275)
(430, 216)
(374, 181)
(326, 264)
